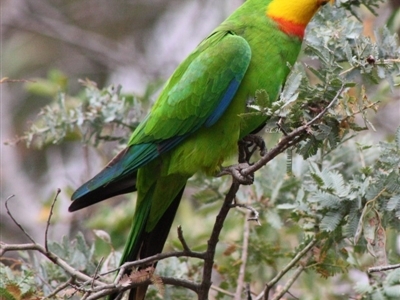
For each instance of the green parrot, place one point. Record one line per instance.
(196, 122)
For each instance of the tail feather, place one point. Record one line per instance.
(121, 186)
(144, 244)
(118, 177)
(153, 242)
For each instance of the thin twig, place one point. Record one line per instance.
(49, 219)
(151, 259)
(60, 288)
(182, 239)
(383, 268)
(7, 80)
(222, 291)
(15, 221)
(279, 125)
(289, 283)
(292, 279)
(97, 270)
(243, 259)
(290, 265)
(254, 213)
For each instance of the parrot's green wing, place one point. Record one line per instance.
(198, 92)
(196, 95)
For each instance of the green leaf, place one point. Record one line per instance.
(393, 203)
(330, 221)
(392, 291)
(362, 287)
(287, 206)
(393, 277)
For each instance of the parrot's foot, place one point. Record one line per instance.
(248, 145)
(236, 173)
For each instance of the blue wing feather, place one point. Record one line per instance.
(223, 103)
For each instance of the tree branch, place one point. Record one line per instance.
(293, 278)
(212, 242)
(243, 259)
(288, 267)
(49, 219)
(383, 268)
(16, 223)
(61, 287)
(290, 139)
(182, 239)
(51, 256)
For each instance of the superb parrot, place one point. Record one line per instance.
(196, 122)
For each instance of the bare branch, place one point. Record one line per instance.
(182, 239)
(181, 282)
(49, 219)
(51, 256)
(289, 266)
(97, 270)
(114, 288)
(383, 268)
(212, 242)
(61, 287)
(243, 259)
(289, 283)
(98, 288)
(222, 291)
(293, 278)
(15, 221)
(152, 259)
(7, 80)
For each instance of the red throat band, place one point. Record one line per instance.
(290, 27)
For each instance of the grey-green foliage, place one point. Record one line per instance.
(40, 277)
(346, 61)
(23, 282)
(76, 252)
(94, 116)
(331, 196)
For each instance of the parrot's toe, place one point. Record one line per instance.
(236, 172)
(248, 145)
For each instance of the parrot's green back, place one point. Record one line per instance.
(196, 122)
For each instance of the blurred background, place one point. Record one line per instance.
(132, 43)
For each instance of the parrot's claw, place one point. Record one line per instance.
(236, 173)
(248, 145)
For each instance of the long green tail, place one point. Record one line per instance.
(142, 244)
